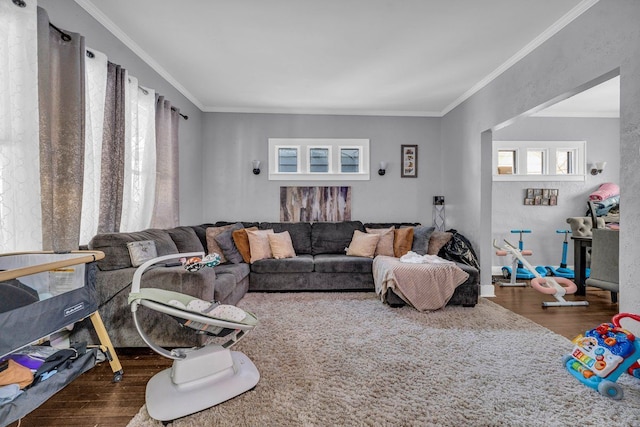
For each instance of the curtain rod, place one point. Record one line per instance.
(66, 37)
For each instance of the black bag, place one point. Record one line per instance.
(459, 249)
(59, 361)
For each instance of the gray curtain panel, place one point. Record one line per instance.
(61, 103)
(113, 148)
(166, 208)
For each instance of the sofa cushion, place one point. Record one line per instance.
(332, 263)
(259, 244)
(333, 237)
(245, 224)
(201, 232)
(421, 235)
(186, 239)
(281, 245)
(402, 241)
(363, 244)
(437, 241)
(299, 264)
(385, 244)
(241, 241)
(225, 241)
(212, 245)
(114, 246)
(390, 224)
(239, 271)
(300, 233)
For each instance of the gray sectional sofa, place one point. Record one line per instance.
(320, 265)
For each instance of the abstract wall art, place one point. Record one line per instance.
(315, 204)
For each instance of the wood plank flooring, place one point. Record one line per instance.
(93, 400)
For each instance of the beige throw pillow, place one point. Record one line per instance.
(212, 245)
(259, 244)
(363, 244)
(281, 245)
(437, 241)
(385, 244)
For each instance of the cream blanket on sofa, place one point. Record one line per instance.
(424, 282)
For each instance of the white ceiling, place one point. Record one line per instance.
(380, 57)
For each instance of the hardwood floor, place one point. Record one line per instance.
(93, 400)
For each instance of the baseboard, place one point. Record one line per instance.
(487, 291)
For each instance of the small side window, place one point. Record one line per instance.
(288, 160)
(539, 160)
(349, 160)
(507, 162)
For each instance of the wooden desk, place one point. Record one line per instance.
(580, 245)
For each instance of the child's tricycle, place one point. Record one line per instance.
(602, 354)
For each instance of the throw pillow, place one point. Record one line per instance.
(437, 241)
(142, 251)
(421, 235)
(281, 245)
(385, 243)
(212, 245)
(241, 240)
(259, 243)
(363, 244)
(225, 241)
(402, 241)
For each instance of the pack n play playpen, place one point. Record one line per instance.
(42, 293)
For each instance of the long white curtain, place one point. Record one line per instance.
(95, 94)
(20, 209)
(140, 157)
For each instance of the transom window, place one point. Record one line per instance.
(539, 160)
(318, 159)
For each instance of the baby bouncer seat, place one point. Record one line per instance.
(200, 377)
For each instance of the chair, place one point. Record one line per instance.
(604, 261)
(582, 226)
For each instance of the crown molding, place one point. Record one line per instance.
(93, 10)
(582, 7)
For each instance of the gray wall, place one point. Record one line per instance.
(67, 14)
(603, 40)
(508, 211)
(233, 192)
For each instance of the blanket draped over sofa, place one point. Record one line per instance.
(320, 264)
(426, 286)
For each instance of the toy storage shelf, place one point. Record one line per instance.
(62, 286)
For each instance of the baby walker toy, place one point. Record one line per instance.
(602, 354)
(516, 265)
(556, 286)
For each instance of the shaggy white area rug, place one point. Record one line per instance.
(345, 359)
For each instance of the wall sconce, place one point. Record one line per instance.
(383, 168)
(256, 167)
(597, 167)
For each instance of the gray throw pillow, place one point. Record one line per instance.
(421, 236)
(225, 241)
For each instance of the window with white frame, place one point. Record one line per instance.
(318, 159)
(539, 160)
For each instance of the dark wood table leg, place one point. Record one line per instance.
(580, 265)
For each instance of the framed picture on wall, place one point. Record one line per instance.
(409, 161)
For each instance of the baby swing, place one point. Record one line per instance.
(200, 377)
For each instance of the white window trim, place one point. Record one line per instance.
(551, 148)
(304, 145)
